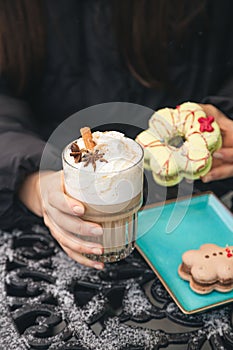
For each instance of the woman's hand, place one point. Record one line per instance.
(44, 195)
(222, 167)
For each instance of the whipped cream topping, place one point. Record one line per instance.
(119, 151)
(112, 182)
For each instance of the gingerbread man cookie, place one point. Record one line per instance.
(208, 268)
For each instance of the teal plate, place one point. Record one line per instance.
(167, 231)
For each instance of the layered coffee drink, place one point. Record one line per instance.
(104, 170)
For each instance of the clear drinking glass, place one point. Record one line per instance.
(111, 199)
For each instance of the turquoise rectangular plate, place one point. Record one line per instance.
(167, 231)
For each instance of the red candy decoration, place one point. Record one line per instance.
(205, 124)
(229, 254)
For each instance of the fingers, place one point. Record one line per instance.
(74, 246)
(64, 203)
(53, 194)
(222, 172)
(224, 154)
(74, 224)
(65, 210)
(83, 260)
(223, 121)
(212, 110)
(222, 166)
(56, 227)
(61, 215)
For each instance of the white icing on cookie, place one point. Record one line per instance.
(179, 143)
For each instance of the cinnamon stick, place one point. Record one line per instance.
(87, 138)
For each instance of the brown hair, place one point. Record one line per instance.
(22, 41)
(144, 29)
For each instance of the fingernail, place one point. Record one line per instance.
(217, 155)
(78, 210)
(97, 251)
(98, 266)
(96, 230)
(206, 178)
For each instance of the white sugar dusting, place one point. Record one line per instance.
(216, 323)
(114, 335)
(135, 303)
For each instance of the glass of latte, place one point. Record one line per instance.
(104, 170)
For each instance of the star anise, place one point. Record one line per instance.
(76, 152)
(92, 157)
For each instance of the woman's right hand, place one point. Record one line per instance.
(222, 167)
(62, 215)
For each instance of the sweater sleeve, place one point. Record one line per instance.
(21, 151)
(223, 98)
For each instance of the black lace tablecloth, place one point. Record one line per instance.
(49, 301)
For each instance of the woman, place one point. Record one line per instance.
(58, 57)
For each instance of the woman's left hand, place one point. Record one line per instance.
(222, 166)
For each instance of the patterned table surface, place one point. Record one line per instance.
(49, 301)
